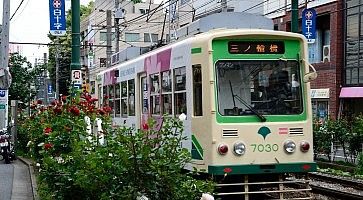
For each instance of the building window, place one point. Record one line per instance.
(182, 2)
(132, 37)
(144, 11)
(103, 36)
(354, 44)
(319, 51)
(320, 109)
(197, 91)
(154, 37)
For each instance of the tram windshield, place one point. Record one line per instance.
(255, 87)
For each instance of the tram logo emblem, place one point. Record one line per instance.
(264, 131)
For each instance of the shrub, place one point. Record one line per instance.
(131, 163)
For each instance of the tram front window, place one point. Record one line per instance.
(247, 87)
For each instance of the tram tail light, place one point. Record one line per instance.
(222, 149)
(304, 146)
(289, 146)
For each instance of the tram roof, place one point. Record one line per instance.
(216, 33)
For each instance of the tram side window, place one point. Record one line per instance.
(117, 100)
(112, 98)
(197, 90)
(100, 95)
(166, 94)
(144, 98)
(105, 96)
(124, 98)
(131, 97)
(180, 96)
(155, 94)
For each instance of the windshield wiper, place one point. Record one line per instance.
(262, 118)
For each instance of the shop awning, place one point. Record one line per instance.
(351, 92)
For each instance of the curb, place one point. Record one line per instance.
(32, 176)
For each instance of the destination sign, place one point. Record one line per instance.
(254, 47)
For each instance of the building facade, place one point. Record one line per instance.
(137, 28)
(326, 54)
(351, 96)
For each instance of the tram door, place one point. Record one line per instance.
(144, 100)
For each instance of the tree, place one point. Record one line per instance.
(23, 77)
(64, 51)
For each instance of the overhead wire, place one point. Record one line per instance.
(22, 1)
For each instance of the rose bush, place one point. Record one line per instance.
(131, 163)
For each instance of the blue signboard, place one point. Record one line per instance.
(50, 89)
(309, 24)
(2, 93)
(57, 17)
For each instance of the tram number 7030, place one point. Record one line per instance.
(265, 147)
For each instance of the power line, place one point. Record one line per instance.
(51, 44)
(22, 1)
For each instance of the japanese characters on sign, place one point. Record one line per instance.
(309, 24)
(253, 47)
(57, 17)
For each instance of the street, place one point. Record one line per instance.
(15, 181)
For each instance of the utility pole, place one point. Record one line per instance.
(4, 62)
(57, 70)
(76, 51)
(224, 5)
(45, 78)
(109, 38)
(117, 29)
(294, 16)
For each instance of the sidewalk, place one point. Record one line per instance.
(24, 185)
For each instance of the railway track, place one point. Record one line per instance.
(337, 187)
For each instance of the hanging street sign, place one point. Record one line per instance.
(309, 24)
(57, 17)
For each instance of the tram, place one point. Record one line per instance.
(245, 94)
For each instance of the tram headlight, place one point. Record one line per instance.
(304, 146)
(222, 149)
(239, 148)
(289, 146)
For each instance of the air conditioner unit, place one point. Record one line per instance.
(326, 53)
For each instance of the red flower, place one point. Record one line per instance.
(64, 98)
(47, 146)
(105, 97)
(101, 111)
(39, 101)
(57, 110)
(93, 100)
(75, 111)
(47, 130)
(145, 127)
(107, 109)
(54, 103)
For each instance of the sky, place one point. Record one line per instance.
(31, 24)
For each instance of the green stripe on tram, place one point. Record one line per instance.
(197, 150)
